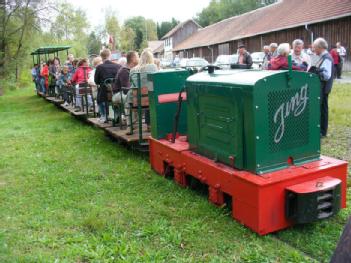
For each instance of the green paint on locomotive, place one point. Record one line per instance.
(162, 115)
(254, 120)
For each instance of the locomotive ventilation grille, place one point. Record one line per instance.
(288, 119)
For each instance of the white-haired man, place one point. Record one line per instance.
(298, 56)
(324, 68)
(273, 49)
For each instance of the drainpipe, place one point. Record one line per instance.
(311, 32)
(209, 47)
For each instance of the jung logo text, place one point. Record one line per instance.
(292, 108)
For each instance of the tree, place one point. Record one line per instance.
(70, 28)
(127, 39)
(19, 21)
(165, 27)
(218, 10)
(112, 29)
(70, 23)
(94, 44)
(145, 30)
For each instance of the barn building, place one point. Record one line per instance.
(178, 34)
(280, 22)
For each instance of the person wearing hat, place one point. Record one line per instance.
(244, 57)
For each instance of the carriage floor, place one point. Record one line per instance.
(55, 100)
(122, 135)
(115, 132)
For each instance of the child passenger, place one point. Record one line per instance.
(64, 80)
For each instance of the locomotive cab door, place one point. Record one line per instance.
(220, 124)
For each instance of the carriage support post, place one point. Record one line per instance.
(140, 118)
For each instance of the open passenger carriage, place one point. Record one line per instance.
(44, 54)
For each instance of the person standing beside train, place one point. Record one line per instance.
(342, 53)
(244, 57)
(298, 56)
(336, 60)
(324, 69)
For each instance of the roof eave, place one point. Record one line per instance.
(266, 32)
(289, 27)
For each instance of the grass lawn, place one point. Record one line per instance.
(70, 194)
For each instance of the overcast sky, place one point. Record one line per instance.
(158, 10)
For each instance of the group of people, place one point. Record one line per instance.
(124, 75)
(110, 81)
(302, 59)
(327, 65)
(78, 74)
(51, 75)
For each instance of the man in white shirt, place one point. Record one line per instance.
(342, 53)
(324, 69)
(298, 55)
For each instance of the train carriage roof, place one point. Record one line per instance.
(49, 50)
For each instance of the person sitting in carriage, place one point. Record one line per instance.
(122, 81)
(80, 79)
(74, 66)
(54, 72)
(69, 63)
(146, 66)
(63, 82)
(96, 62)
(36, 77)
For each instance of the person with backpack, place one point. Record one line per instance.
(106, 70)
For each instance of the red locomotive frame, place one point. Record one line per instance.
(258, 202)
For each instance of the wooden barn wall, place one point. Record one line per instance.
(333, 31)
(187, 30)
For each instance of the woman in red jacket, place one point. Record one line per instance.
(80, 78)
(44, 73)
(336, 60)
(281, 61)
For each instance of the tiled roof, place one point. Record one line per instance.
(154, 45)
(281, 15)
